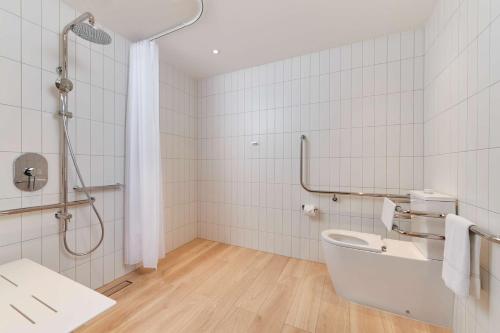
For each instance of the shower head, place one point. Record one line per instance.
(88, 32)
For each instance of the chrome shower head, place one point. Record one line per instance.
(88, 32)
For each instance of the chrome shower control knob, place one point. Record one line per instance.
(30, 172)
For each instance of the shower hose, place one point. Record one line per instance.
(87, 194)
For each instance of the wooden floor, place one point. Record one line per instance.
(206, 286)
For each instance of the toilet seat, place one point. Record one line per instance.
(353, 239)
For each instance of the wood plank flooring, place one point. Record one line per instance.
(206, 286)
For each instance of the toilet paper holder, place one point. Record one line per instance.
(316, 210)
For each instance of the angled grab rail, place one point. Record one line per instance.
(404, 197)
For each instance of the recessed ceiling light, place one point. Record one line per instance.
(215, 51)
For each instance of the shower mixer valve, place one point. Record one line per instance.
(30, 172)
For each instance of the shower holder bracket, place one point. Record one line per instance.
(63, 216)
(66, 114)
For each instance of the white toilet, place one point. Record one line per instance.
(403, 277)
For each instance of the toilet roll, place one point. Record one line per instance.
(310, 210)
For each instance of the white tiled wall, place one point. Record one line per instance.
(462, 126)
(361, 107)
(178, 141)
(29, 55)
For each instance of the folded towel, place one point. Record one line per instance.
(388, 211)
(461, 257)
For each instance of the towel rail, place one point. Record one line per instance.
(395, 197)
(417, 234)
(408, 214)
(486, 235)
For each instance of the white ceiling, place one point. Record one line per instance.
(253, 32)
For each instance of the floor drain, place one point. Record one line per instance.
(116, 288)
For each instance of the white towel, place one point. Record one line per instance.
(461, 257)
(388, 211)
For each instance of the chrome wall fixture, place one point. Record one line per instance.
(64, 85)
(417, 234)
(182, 25)
(396, 197)
(409, 214)
(45, 207)
(400, 213)
(486, 235)
(116, 186)
(31, 172)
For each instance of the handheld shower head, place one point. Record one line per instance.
(88, 32)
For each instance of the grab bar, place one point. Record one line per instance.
(486, 235)
(98, 188)
(398, 197)
(474, 229)
(408, 214)
(400, 213)
(417, 234)
(44, 207)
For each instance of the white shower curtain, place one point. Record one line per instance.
(144, 237)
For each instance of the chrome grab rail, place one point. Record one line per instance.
(492, 238)
(408, 214)
(97, 188)
(400, 213)
(398, 197)
(44, 207)
(417, 234)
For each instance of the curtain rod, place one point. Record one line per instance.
(180, 26)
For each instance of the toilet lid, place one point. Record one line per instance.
(353, 239)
